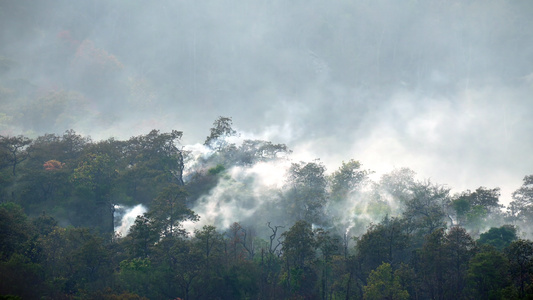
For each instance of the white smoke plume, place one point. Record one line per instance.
(242, 194)
(127, 216)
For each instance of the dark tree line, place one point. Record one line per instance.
(314, 240)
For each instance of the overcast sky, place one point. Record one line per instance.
(442, 87)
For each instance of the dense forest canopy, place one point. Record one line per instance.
(381, 149)
(239, 219)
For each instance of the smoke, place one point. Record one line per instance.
(442, 87)
(247, 195)
(125, 217)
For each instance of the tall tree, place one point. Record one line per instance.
(307, 195)
(158, 154)
(384, 283)
(460, 248)
(298, 250)
(142, 237)
(222, 129)
(329, 246)
(387, 242)
(488, 275)
(520, 255)
(252, 151)
(434, 263)
(397, 184)
(13, 151)
(472, 209)
(499, 237)
(169, 210)
(425, 212)
(346, 179)
(521, 208)
(93, 180)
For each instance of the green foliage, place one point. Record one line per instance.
(521, 208)
(459, 248)
(383, 283)
(253, 151)
(135, 275)
(488, 275)
(500, 237)
(219, 132)
(14, 229)
(19, 272)
(387, 242)
(298, 250)
(425, 210)
(299, 244)
(346, 179)
(398, 184)
(520, 255)
(13, 151)
(306, 195)
(69, 179)
(472, 209)
(169, 210)
(142, 237)
(216, 170)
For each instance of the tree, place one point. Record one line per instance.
(298, 250)
(299, 244)
(147, 165)
(14, 229)
(76, 259)
(520, 255)
(521, 208)
(252, 151)
(189, 266)
(142, 237)
(398, 184)
(209, 246)
(487, 275)
(425, 211)
(236, 240)
(135, 275)
(222, 129)
(306, 195)
(66, 148)
(13, 151)
(346, 179)
(328, 246)
(45, 186)
(434, 264)
(460, 248)
(169, 210)
(387, 242)
(499, 237)
(94, 179)
(383, 283)
(209, 242)
(156, 156)
(472, 209)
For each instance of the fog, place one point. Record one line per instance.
(441, 87)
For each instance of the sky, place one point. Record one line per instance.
(442, 87)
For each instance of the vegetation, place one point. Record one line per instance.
(315, 236)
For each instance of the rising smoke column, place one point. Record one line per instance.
(127, 217)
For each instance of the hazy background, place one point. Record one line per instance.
(442, 87)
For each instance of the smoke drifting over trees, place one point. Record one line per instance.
(440, 87)
(376, 149)
(149, 211)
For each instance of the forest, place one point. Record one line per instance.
(216, 228)
(381, 149)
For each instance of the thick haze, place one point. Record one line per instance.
(442, 87)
